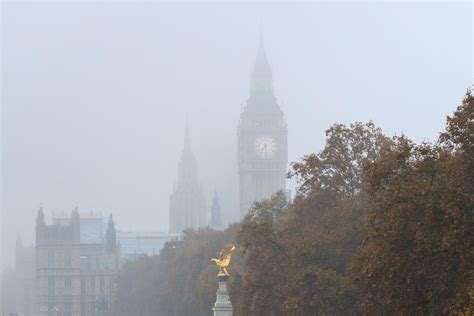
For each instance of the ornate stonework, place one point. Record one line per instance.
(262, 139)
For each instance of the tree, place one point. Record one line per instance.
(297, 254)
(265, 260)
(179, 281)
(417, 253)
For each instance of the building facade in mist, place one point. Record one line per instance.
(76, 266)
(187, 202)
(262, 138)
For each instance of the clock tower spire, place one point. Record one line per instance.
(262, 138)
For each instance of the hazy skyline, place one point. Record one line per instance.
(95, 96)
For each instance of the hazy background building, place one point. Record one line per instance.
(187, 202)
(134, 245)
(94, 94)
(75, 275)
(216, 212)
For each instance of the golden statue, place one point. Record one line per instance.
(224, 260)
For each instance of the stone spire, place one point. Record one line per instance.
(111, 242)
(216, 221)
(19, 242)
(40, 226)
(187, 203)
(187, 139)
(76, 224)
(187, 172)
(261, 78)
(40, 218)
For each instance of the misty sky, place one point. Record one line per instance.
(95, 96)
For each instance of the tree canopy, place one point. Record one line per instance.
(379, 226)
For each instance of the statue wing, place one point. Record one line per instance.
(226, 254)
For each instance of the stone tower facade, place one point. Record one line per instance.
(187, 202)
(262, 138)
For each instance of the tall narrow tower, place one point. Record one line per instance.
(187, 203)
(216, 221)
(262, 138)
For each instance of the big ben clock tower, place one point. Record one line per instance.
(262, 139)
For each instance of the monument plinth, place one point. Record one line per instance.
(223, 306)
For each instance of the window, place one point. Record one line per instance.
(67, 259)
(83, 286)
(93, 284)
(83, 309)
(102, 285)
(51, 259)
(51, 286)
(51, 309)
(68, 309)
(67, 283)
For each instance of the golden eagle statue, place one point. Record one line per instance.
(224, 259)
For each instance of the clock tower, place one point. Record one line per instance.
(262, 138)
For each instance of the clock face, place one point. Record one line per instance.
(265, 146)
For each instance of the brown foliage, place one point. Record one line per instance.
(297, 255)
(379, 227)
(417, 254)
(181, 280)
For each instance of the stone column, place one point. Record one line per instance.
(223, 306)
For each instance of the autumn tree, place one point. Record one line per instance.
(297, 254)
(179, 281)
(417, 253)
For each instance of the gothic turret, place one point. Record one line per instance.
(187, 203)
(111, 242)
(40, 226)
(216, 221)
(76, 225)
(187, 172)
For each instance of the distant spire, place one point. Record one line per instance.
(75, 215)
(19, 242)
(187, 170)
(216, 221)
(40, 217)
(187, 137)
(40, 226)
(261, 79)
(261, 54)
(111, 241)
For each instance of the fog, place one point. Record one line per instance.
(95, 96)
